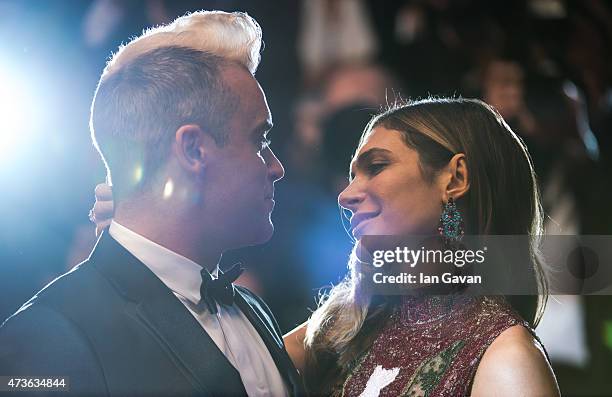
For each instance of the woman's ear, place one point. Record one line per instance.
(458, 182)
(191, 146)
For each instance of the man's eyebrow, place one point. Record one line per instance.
(366, 157)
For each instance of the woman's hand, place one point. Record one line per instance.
(294, 343)
(102, 212)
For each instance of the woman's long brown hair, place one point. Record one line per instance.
(503, 199)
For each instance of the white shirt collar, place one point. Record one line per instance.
(180, 274)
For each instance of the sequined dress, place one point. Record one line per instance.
(430, 347)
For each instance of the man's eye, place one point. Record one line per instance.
(265, 143)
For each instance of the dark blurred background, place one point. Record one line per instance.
(328, 65)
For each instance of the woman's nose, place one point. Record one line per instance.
(350, 198)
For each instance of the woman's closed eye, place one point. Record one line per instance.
(370, 170)
(375, 168)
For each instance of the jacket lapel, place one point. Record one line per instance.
(156, 307)
(272, 341)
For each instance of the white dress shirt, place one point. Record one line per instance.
(229, 328)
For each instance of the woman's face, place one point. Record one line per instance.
(388, 194)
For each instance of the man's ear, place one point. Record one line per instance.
(458, 182)
(192, 147)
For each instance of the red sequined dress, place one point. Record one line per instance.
(430, 347)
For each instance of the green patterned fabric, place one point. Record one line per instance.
(429, 373)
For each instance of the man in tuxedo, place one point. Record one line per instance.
(181, 124)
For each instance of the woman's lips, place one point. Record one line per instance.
(359, 222)
(358, 231)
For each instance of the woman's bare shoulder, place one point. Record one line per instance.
(515, 364)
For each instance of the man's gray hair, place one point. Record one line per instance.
(168, 77)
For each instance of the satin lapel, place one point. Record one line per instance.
(184, 336)
(195, 353)
(272, 342)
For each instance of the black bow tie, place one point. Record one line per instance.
(219, 290)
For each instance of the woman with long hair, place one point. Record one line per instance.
(414, 162)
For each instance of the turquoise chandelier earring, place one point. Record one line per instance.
(451, 222)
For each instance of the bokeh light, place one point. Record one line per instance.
(15, 103)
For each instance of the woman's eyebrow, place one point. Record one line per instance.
(365, 157)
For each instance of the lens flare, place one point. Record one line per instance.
(168, 189)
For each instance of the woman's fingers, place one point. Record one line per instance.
(101, 214)
(102, 211)
(103, 192)
(101, 226)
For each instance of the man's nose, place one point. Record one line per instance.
(276, 169)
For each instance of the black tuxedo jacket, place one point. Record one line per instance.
(114, 329)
